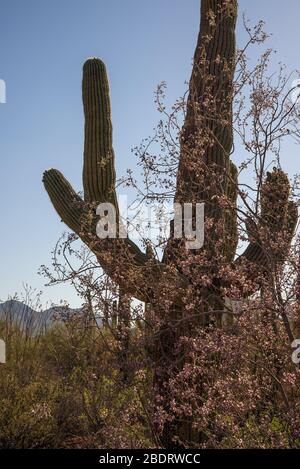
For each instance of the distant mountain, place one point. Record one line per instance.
(26, 317)
(35, 321)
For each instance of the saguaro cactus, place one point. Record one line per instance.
(120, 258)
(205, 174)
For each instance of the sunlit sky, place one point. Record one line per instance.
(43, 44)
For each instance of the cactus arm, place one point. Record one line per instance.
(279, 217)
(121, 259)
(99, 175)
(72, 211)
(98, 182)
(65, 200)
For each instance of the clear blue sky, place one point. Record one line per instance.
(43, 44)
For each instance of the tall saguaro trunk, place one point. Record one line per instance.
(205, 173)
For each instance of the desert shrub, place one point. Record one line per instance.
(65, 390)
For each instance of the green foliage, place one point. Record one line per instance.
(62, 389)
